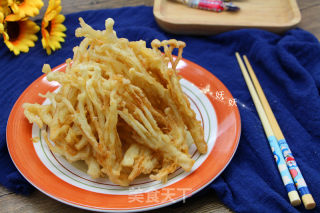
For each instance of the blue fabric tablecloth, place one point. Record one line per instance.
(288, 67)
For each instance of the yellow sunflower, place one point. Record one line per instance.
(4, 9)
(52, 28)
(23, 8)
(20, 35)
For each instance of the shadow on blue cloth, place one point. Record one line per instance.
(288, 67)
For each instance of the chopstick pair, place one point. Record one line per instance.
(287, 166)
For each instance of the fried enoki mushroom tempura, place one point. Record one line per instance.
(120, 108)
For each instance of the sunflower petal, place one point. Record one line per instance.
(1, 17)
(48, 51)
(60, 19)
(60, 27)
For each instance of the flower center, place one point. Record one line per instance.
(19, 2)
(13, 30)
(49, 27)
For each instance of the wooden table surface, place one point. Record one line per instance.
(38, 202)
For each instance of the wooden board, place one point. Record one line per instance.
(273, 15)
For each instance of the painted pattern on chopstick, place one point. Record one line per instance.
(281, 163)
(293, 168)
